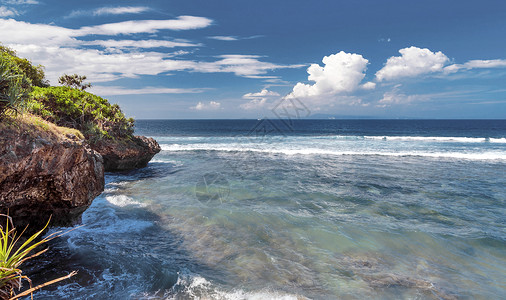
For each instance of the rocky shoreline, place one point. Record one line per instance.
(47, 170)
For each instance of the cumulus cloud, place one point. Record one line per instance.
(413, 62)
(368, 86)
(258, 100)
(262, 93)
(342, 73)
(211, 105)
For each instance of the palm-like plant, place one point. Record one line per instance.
(13, 86)
(13, 255)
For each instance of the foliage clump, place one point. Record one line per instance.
(94, 116)
(35, 74)
(23, 87)
(14, 85)
(13, 253)
(74, 81)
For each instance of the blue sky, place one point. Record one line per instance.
(239, 59)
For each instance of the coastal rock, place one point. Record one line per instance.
(46, 170)
(127, 155)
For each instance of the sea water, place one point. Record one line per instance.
(298, 209)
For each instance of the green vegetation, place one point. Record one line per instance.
(91, 114)
(14, 85)
(23, 87)
(74, 81)
(12, 255)
(35, 74)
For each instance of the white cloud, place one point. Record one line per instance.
(223, 38)
(395, 96)
(254, 104)
(258, 100)
(19, 32)
(61, 51)
(140, 44)
(413, 62)
(229, 38)
(476, 64)
(119, 10)
(262, 93)
(368, 86)
(7, 12)
(118, 90)
(101, 66)
(145, 26)
(342, 73)
(20, 2)
(211, 105)
(240, 65)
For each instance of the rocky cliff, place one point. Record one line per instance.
(46, 170)
(127, 155)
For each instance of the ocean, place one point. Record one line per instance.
(296, 209)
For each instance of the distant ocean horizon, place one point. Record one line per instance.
(298, 209)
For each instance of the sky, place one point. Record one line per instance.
(243, 59)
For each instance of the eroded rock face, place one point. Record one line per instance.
(122, 156)
(43, 173)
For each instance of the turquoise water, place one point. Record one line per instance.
(377, 211)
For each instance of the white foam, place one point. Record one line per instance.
(429, 139)
(499, 141)
(123, 200)
(317, 151)
(197, 287)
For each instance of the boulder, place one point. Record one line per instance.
(124, 155)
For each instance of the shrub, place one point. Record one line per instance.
(14, 85)
(35, 74)
(94, 116)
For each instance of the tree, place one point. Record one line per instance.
(74, 81)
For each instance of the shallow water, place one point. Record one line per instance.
(223, 214)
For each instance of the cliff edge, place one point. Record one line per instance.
(127, 155)
(46, 170)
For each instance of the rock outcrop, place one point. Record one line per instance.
(127, 155)
(46, 170)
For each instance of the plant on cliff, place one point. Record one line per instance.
(17, 75)
(12, 255)
(23, 87)
(35, 74)
(94, 116)
(74, 81)
(14, 85)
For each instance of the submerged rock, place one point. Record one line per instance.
(46, 170)
(125, 155)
